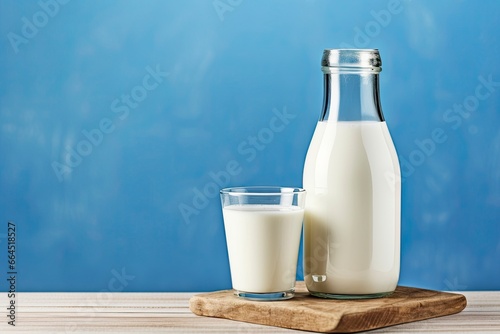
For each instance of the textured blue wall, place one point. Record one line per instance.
(119, 121)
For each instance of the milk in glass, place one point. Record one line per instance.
(263, 246)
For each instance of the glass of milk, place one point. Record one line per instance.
(263, 228)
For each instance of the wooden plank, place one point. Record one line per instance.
(305, 312)
(169, 313)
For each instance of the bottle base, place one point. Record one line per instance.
(350, 296)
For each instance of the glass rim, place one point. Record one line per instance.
(262, 190)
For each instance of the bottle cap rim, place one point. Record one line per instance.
(351, 59)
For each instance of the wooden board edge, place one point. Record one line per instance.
(276, 317)
(196, 305)
(434, 309)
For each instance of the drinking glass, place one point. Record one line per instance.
(263, 228)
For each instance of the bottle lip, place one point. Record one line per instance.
(363, 60)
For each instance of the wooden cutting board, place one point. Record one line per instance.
(309, 313)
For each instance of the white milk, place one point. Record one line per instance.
(352, 215)
(263, 245)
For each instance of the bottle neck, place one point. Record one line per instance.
(351, 96)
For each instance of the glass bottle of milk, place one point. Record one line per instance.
(352, 176)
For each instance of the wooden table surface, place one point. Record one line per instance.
(169, 313)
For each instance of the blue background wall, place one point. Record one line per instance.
(135, 208)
